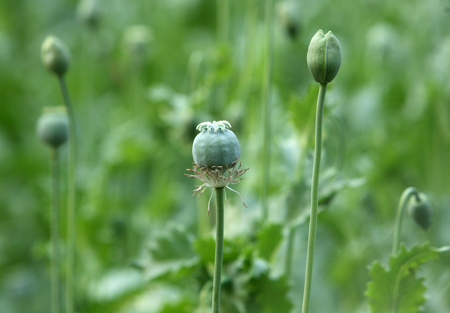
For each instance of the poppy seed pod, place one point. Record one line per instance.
(53, 126)
(421, 210)
(216, 152)
(55, 55)
(324, 57)
(215, 145)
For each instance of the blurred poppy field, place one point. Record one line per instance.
(144, 74)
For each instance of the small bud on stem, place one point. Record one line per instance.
(324, 57)
(55, 55)
(421, 210)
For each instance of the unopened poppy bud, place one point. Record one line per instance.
(55, 55)
(421, 210)
(52, 127)
(324, 57)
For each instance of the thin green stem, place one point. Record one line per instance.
(266, 93)
(70, 258)
(219, 250)
(54, 229)
(314, 199)
(404, 199)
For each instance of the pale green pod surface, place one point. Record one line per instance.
(421, 211)
(324, 57)
(55, 55)
(218, 147)
(52, 128)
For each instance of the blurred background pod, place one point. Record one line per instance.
(88, 12)
(137, 41)
(55, 55)
(53, 126)
(288, 13)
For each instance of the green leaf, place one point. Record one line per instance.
(171, 254)
(397, 289)
(303, 111)
(183, 305)
(268, 239)
(175, 243)
(114, 290)
(299, 198)
(273, 295)
(205, 247)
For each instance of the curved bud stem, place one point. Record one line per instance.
(219, 250)
(404, 199)
(314, 198)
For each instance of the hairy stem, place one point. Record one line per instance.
(54, 229)
(219, 250)
(266, 92)
(314, 199)
(70, 258)
(404, 199)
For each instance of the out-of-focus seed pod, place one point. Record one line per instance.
(55, 55)
(324, 57)
(53, 127)
(421, 210)
(289, 16)
(88, 11)
(137, 40)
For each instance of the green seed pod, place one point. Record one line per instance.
(324, 57)
(55, 55)
(421, 211)
(215, 145)
(53, 126)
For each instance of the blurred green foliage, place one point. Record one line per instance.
(143, 243)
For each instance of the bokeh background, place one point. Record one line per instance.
(145, 73)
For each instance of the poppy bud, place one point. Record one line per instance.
(324, 57)
(55, 55)
(421, 210)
